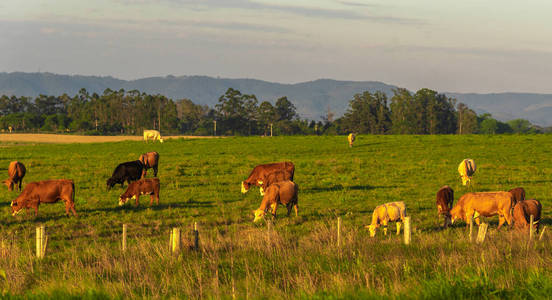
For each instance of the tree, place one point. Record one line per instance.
(367, 113)
(467, 119)
(285, 109)
(521, 126)
(267, 116)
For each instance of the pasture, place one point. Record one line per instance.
(296, 257)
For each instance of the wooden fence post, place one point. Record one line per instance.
(196, 237)
(407, 233)
(124, 237)
(531, 220)
(339, 232)
(41, 241)
(482, 232)
(471, 229)
(175, 246)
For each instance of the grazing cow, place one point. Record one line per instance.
(146, 186)
(16, 172)
(273, 177)
(522, 212)
(466, 169)
(519, 195)
(152, 135)
(388, 212)
(485, 204)
(150, 160)
(127, 171)
(46, 191)
(258, 174)
(284, 192)
(351, 139)
(445, 198)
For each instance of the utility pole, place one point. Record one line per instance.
(215, 127)
(270, 129)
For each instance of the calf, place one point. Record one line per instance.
(152, 135)
(146, 186)
(258, 173)
(519, 195)
(445, 198)
(388, 212)
(16, 172)
(284, 192)
(484, 204)
(150, 160)
(522, 212)
(127, 171)
(46, 191)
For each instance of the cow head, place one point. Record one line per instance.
(110, 183)
(372, 229)
(16, 206)
(465, 180)
(161, 140)
(259, 214)
(9, 184)
(245, 187)
(124, 198)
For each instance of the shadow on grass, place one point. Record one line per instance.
(339, 187)
(144, 205)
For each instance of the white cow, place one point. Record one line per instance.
(466, 169)
(152, 135)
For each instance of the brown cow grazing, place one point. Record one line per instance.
(273, 177)
(146, 186)
(16, 172)
(445, 198)
(485, 204)
(46, 191)
(519, 195)
(284, 192)
(258, 174)
(522, 212)
(150, 160)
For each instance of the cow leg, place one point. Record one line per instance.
(295, 207)
(500, 221)
(384, 223)
(144, 173)
(137, 197)
(151, 199)
(36, 210)
(398, 227)
(20, 182)
(274, 206)
(155, 171)
(288, 206)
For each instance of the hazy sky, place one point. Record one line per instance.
(455, 46)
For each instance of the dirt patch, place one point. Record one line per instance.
(69, 138)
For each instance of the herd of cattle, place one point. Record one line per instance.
(276, 185)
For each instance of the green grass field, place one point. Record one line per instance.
(298, 257)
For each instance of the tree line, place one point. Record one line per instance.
(130, 112)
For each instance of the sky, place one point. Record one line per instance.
(449, 46)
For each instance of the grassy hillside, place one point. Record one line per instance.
(298, 257)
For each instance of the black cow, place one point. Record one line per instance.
(127, 171)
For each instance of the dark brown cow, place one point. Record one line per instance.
(445, 198)
(259, 172)
(522, 212)
(519, 195)
(46, 191)
(16, 172)
(150, 160)
(146, 186)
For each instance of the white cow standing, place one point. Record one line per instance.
(152, 135)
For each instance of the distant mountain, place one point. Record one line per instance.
(311, 98)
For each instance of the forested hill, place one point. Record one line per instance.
(310, 98)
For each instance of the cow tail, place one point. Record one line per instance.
(73, 185)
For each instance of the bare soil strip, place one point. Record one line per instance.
(69, 138)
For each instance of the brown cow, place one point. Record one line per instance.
(150, 160)
(522, 212)
(485, 204)
(146, 186)
(284, 192)
(519, 195)
(256, 176)
(16, 172)
(445, 198)
(273, 177)
(46, 191)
